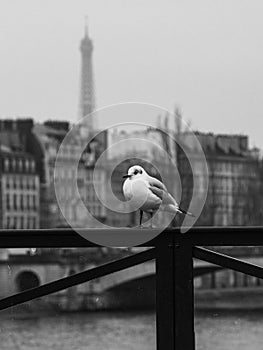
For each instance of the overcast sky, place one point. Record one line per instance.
(206, 56)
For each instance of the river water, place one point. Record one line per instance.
(125, 331)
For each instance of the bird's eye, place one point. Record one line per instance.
(135, 172)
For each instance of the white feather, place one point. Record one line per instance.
(139, 185)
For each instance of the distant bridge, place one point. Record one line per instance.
(30, 272)
(34, 271)
(148, 269)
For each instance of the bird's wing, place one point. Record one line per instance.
(168, 202)
(156, 183)
(159, 189)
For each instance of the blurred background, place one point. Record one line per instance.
(165, 85)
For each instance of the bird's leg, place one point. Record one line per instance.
(151, 224)
(141, 214)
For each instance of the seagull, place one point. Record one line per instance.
(152, 193)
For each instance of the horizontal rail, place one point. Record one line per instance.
(174, 254)
(196, 236)
(78, 278)
(228, 262)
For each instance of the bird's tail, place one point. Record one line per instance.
(182, 211)
(176, 209)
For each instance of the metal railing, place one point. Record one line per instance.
(173, 253)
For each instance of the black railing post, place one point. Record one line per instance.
(165, 310)
(174, 295)
(184, 297)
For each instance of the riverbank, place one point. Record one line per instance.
(241, 298)
(244, 298)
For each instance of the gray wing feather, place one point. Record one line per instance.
(159, 189)
(155, 182)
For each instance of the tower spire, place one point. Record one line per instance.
(87, 95)
(86, 32)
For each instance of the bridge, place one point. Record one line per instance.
(124, 288)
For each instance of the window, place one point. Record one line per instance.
(20, 165)
(33, 183)
(14, 164)
(6, 164)
(7, 222)
(28, 202)
(14, 182)
(27, 164)
(8, 206)
(25, 205)
(34, 199)
(18, 201)
(15, 201)
(33, 166)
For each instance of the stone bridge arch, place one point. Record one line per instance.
(27, 279)
(147, 269)
(44, 273)
(27, 276)
(127, 275)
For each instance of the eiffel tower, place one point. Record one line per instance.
(87, 95)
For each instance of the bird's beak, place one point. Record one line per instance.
(125, 176)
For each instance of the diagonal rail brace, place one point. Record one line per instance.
(78, 278)
(228, 262)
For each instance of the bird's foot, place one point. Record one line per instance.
(142, 227)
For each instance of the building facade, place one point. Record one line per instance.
(19, 191)
(234, 181)
(92, 190)
(19, 174)
(50, 136)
